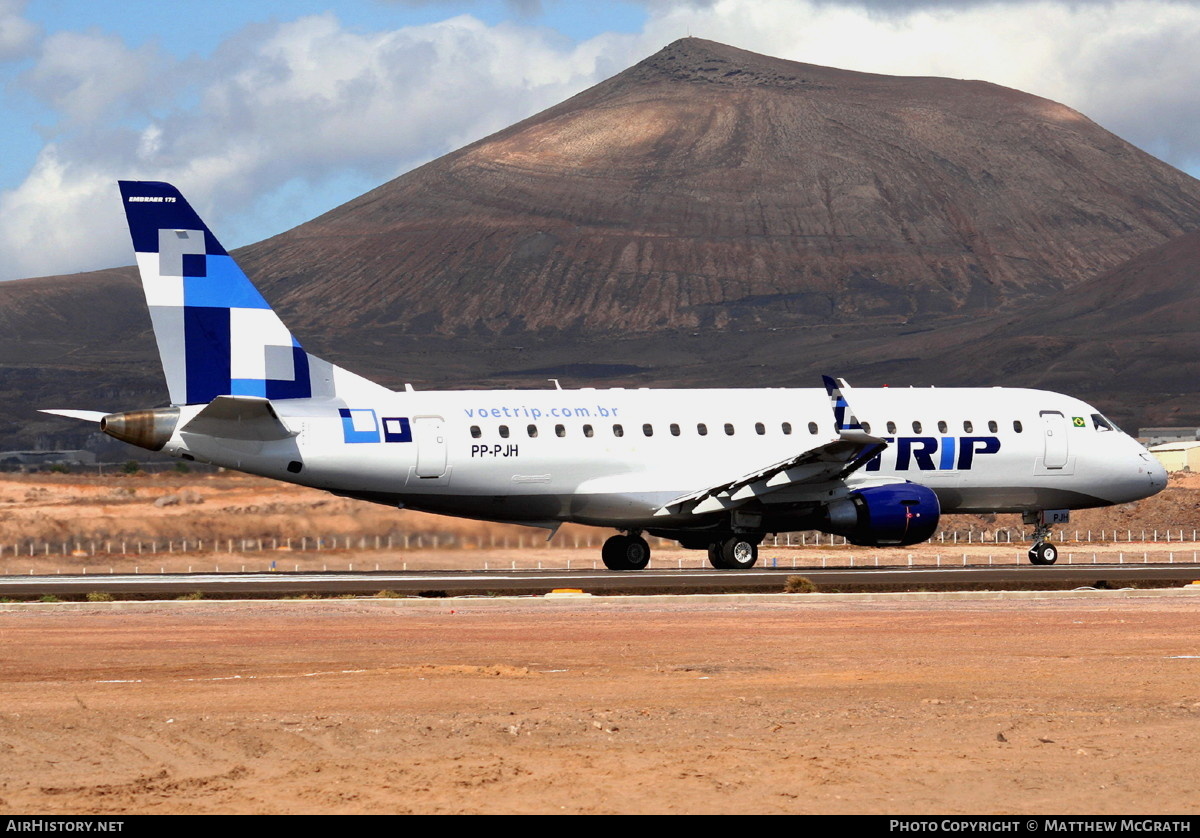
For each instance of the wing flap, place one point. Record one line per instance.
(833, 460)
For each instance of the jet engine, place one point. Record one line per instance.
(893, 515)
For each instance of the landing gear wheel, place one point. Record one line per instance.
(1043, 553)
(736, 553)
(714, 556)
(625, 552)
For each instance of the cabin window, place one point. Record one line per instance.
(618, 430)
(942, 426)
(559, 430)
(504, 431)
(968, 426)
(891, 426)
(787, 428)
(532, 431)
(702, 429)
(992, 426)
(648, 429)
(866, 426)
(1017, 425)
(728, 429)
(760, 428)
(588, 432)
(475, 432)
(674, 429)
(812, 427)
(916, 427)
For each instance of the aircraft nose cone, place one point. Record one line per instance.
(1158, 474)
(1140, 475)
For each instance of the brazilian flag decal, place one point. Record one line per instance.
(1079, 422)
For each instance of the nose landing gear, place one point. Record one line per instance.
(1043, 552)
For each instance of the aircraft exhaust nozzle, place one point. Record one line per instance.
(149, 429)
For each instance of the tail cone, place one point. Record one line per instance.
(149, 429)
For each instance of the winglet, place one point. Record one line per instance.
(845, 420)
(843, 415)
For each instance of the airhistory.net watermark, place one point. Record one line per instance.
(61, 825)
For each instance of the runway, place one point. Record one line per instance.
(461, 583)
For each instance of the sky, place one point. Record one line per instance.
(268, 113)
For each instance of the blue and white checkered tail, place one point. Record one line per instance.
(216, 334)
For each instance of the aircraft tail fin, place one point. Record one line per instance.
(216, 334)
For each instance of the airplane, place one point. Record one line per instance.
(713, 469)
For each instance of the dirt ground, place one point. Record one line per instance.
(600, 705)
(671, 705)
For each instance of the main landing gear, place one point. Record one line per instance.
(737, 552)
(629, 551)
(626, 552)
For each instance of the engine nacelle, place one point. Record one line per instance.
(894, 515)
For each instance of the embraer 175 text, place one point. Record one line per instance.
(712, 469)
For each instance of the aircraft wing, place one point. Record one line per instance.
(832, 460)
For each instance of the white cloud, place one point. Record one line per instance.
(65, 220)
(312, 102)
(306, 99)
(90, 77)
(17, 35)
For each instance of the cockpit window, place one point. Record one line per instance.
(1102, 424)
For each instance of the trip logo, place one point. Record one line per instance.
(932, 453)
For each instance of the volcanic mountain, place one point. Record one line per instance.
(708, 216)
(707, 184)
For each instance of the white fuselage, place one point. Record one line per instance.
(614, 457)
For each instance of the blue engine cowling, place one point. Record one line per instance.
(894, 515)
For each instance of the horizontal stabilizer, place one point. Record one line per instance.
(85, 415)
(239, 417)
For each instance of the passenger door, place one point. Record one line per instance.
(431, 446)
(1054, 427)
